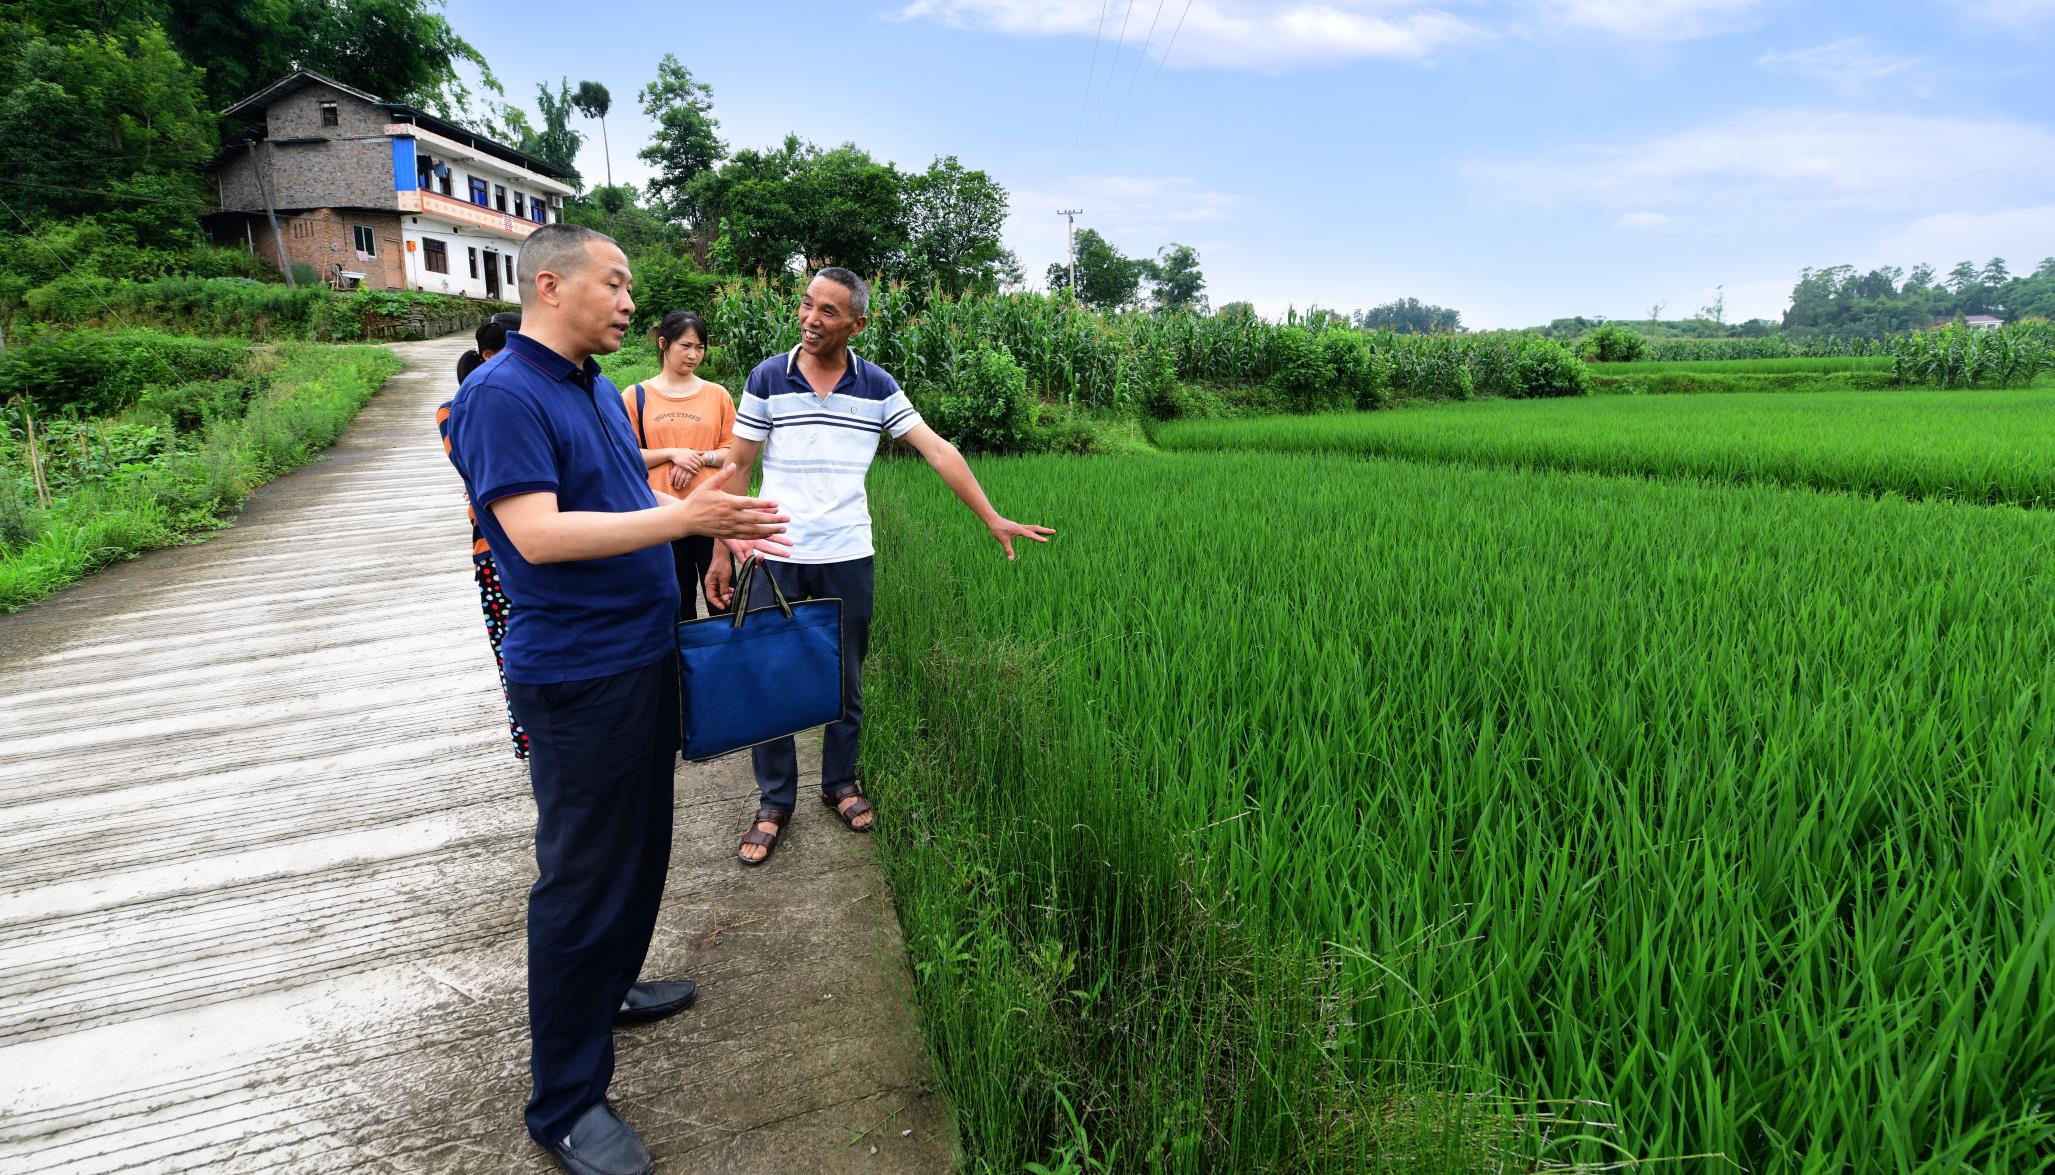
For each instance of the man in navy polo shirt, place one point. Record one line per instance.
(817, 413)
(551, 464)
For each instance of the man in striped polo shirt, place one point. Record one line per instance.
(816, 414)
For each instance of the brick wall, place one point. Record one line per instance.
(298, 115)
(324, 237)
(349, 166)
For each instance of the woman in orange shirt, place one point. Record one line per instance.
(684, 425)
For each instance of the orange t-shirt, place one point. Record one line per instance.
(701, 421)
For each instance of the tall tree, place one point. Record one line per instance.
(1107, 279)
(109, 123)
(684, 146)
(1919, 281)
(849, 210)
(749, 203)
(1410, 316)
(1963, 278)
(1175, 282)
(555, 143)
(593, 101)
(2046, 268)
(954, 218)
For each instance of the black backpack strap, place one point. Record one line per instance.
(641, 406)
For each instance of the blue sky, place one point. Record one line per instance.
(1515, 159)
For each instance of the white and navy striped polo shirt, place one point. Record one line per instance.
(816, 451)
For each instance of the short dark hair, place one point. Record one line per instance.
(673, 327)
(859, 293)
(559, 248)
(492, 333)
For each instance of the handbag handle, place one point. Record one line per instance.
(743, 582)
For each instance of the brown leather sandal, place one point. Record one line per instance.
(833, 800)
(768, 841)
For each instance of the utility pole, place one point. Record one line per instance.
(277, 238)
(1070, 216)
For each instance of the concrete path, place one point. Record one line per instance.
(264, 852)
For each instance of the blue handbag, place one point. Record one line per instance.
(758, 674)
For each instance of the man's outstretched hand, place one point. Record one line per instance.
(1006, 530)
(712, 510)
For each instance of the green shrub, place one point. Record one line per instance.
(987, 406)
(20, 521)
(1613, 343)
(1148, 380)
(99, 373)
(1547, 368)
(1303, 376)
(305, 275)
(1358, 369)
(190, 406)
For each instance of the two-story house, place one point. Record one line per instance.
(377, 193)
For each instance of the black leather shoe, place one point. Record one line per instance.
(601, 1144)
(654, 1001)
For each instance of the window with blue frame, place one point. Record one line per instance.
(480, 193)
(538, 213)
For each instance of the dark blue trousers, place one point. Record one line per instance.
(601, 754)
(777, 763)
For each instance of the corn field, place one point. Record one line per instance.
(1957, 357)
(1103, 361)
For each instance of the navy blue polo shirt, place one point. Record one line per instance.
(531, 421)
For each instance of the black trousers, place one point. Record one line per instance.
(777, 763)
(693, 555)
(601, 753)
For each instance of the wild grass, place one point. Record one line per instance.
(308, 394)
(1989, 447)
(1305, 813)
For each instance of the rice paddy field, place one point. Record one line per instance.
(1295, 811)
(1993, 447)
(1821, 365)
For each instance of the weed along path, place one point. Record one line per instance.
(264, 853)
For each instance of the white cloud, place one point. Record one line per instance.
(1262, 35)
(1847, 64)
(1273, 35)
(2022, 236)
(1645, 221)
(1654, 20)
(1800, 159)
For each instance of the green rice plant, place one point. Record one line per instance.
(1560, 820)
(1816, 365)
(1768, 347)
(1995, 448)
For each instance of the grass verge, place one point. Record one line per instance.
(309, 397)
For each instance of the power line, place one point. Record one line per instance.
(1115, 67)
(1160, 62)
(1141, 63)
(1098, 33)
(67, 266)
